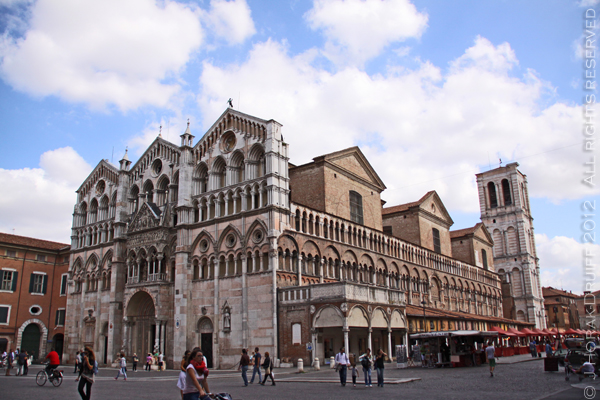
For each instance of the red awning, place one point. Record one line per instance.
(502, 332)
(516, 332)
(528, 332)
(540, 332)
(548, 332)
(572, 331)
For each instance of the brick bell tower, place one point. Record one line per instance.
(505, 211)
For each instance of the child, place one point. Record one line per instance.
(354, 372)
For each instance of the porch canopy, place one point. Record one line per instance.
(427, 335)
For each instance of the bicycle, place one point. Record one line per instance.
(56, 377)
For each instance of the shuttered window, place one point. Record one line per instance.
(38, 283)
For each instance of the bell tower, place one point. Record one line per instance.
(505, 211)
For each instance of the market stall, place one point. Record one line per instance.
(453, 348)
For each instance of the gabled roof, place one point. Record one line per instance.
(31, 242)
(104, 170)
(156, 141)
(478, 230)
(429, 196)
(367, 174)
(552, 292)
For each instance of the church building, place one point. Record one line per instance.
(224, 244)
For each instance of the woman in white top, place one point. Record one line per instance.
(122, 367)
(192, 389)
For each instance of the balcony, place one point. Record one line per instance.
(342, 291)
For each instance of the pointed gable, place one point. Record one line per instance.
(146, 218)
(103, 171)
(354, 164)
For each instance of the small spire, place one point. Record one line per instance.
(188, 127)
(125, 157)
(160, 131)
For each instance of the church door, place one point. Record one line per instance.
(31, 340)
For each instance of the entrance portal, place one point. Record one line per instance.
(205, 327)
(30, 340)
(141, 322)
(57, 342)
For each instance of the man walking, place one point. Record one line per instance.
(77, 361)
(342, 362)
(256, 368)
(489, 351)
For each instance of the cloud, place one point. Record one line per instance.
(421, 128)
(562, 263)
(230, 20)
(358, 30)
(37, 201)
(102, 52)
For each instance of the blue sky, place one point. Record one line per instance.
(433, 92)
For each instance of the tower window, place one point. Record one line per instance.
(506, 192)
(436, 241)
(484, 257)
(492, 193)
(356, 210)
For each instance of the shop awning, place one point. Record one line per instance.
(528, 332)
(516, 332)
(426, 335)
(473, 333)
(502, 332)
(572, 331)
(540, 332)
(547, 332)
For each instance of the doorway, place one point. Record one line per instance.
(205, 327)
(30, 340)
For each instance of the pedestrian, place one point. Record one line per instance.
(26, 363)
(122, 367)
(341, 364)
(244, 363)
(256, 362)
(354, 371)
(533, 348)
(160, 361)
(87, 373)
(182, 373)
(548, 349)
(148, 362)
(9, 360)
(77, 361)
(54, 361)
(21, 361)
(268, 366)
(489, 351)
(192, 389)
(379, 367)
(135, 361)
(366, 360)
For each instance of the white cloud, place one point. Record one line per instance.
(562, 263)
(422, 129)
(38, 201)
(358, 30)
(230, 20)
(102, 52)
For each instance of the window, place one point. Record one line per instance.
(436, 241)
(296, 334)
(38, 283)
(484, 257)
(492, 193)
(11, 253)
(63, 284)
(9, 280)
(60, 317)
(40, 257)
(388, 230)
(506, 192)
(4, 314)
(356, 210)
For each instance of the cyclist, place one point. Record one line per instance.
(54, 362)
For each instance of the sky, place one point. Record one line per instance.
(432, 91)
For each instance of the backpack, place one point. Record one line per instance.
(365, 362)
(95, 369)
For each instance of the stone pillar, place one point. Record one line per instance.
(369, 345)
(163, 338)
(390, 343)
(300, 263)
(245, 332)
(274, 261)
(156, 335)
(321, 269)
(217, 319)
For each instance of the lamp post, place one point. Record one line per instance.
(424, 325)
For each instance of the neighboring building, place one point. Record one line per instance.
(588, 308)
(225, 245)
(561, 308)
(33, 294)
(505, 211)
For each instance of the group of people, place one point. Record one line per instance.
(533, 349)
(23, 361)
(158, 358)
(343, 362)
(255, 360)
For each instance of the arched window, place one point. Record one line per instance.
(484, 257)
(356, 209)
(492, 193)
(506, 192)
(437, 247)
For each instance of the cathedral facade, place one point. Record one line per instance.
(225, 245)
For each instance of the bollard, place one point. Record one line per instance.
(300, 365)
(316, 365)
(332, 362)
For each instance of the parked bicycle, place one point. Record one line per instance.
(55, 376)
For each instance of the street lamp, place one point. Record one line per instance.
(424, 326)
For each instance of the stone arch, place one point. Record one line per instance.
(43, 337)
(379, 319)
(328, 316)
(397, 320)
(257, 224)
(229, 229)
(202, 235)
(310, 247)
(358, 317)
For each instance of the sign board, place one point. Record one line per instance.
(401, 356)
(309, 346)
